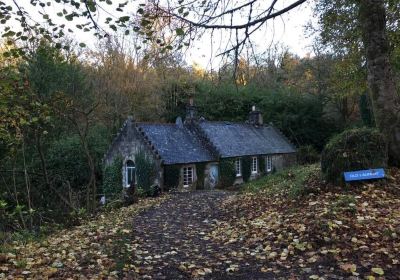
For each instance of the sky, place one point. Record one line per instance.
(287, 31)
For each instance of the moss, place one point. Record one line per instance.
(354, 149)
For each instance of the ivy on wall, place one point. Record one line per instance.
(227, 172)
(246, 168)
(145, 172)
(112, 179)
(200, 169)
(261, 164)
(171, 176)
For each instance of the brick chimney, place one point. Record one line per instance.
(255, 117)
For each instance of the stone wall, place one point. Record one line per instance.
(282, 161)
(127, 144)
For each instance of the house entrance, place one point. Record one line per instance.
(213, 175)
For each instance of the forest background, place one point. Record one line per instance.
(61, 105)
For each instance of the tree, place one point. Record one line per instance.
(189, 18)
(381, 83)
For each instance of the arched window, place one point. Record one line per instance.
(130, 173)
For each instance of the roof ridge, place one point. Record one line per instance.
(283, 136)
(146, 139)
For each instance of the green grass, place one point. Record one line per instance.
(291, 181)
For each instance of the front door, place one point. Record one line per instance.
(213, 175)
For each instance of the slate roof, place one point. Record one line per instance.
(176, 144)
(241, 139)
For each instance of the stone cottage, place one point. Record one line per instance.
(195, 147)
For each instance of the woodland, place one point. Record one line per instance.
(61, 104)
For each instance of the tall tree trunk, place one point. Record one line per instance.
(381, 83)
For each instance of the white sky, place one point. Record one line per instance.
(287, 31)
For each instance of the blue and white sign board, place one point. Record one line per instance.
(364, 175)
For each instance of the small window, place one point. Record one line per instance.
(254, 165)
(187, 176)
(130, 173)
(268, 163)
(238, 167)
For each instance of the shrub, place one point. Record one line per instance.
(351, 150)
(112, 179)
(227, 172)
(145, 172)
(307, 155)
(171, 176)
(291, 181)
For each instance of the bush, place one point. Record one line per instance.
(307, 155)
(354, 149)
(227, 173)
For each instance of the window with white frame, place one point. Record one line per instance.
(187, 176)
(238, 167)
(130, 174)
(254, 165)
(268, 163)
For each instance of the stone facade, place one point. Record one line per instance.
(198, 142)
(127, 144)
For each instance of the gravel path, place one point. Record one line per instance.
(172, 241)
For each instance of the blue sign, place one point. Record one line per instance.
(364, 175)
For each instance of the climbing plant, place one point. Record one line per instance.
(246, 168)
(261, 164)
(171, 176)
(145, 172)
(227, 172)
(200, 168)
(112, 179)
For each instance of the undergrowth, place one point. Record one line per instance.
(291, 181)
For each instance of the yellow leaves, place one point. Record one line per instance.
(82, 249)
(378, 271)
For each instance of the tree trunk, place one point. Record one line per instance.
(381, 83)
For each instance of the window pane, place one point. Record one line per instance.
(187, 176)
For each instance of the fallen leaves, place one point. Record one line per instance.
(329, 231)
(378, 270)
(83, 250)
